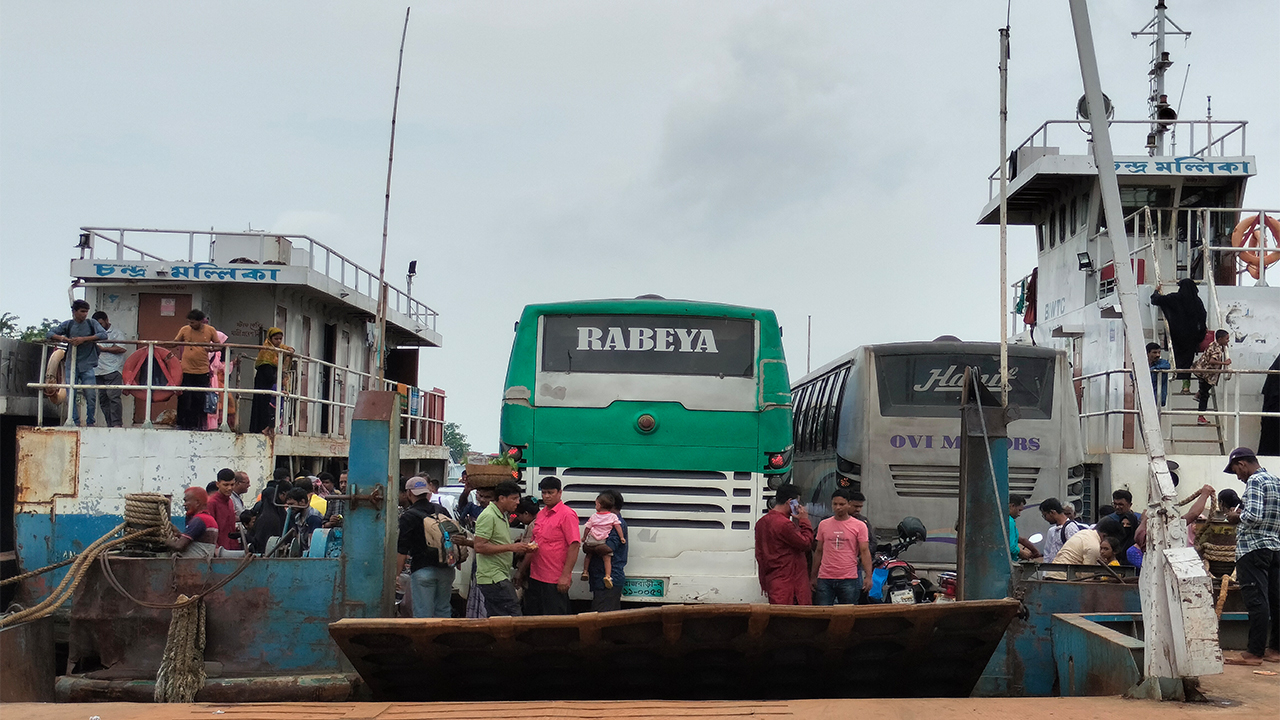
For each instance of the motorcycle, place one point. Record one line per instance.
(894, 580)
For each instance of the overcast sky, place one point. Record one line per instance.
(824, 159)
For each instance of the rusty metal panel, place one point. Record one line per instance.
(1093, 659)
(270, 620)
(48, 461)
(683, 652)
(27, 666)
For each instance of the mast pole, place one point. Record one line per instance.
(1004, 215)
(1159, 75)
(386, 214)
(808, 358)
(1180, 626)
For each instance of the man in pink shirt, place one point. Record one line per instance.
(842, 543)
(556, 537)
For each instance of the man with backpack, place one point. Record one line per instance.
(433, 560)
(1061, 527)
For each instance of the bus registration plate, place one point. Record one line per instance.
(903, 597)
(645, 587)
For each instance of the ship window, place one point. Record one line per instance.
(1082, 217)
(1073, 216)
(1040, 236)
(1053, 232)
(1062, 223)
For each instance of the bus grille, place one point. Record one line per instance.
(943, 481)
(691, 499)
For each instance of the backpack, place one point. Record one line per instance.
(440, 531)
(1062, 531)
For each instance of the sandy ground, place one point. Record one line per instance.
(1238, 693)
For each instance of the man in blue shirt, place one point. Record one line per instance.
(605, 599)
(1257, 521)
(80, 362)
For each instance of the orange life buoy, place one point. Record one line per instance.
(1248, 233)
(135, 373)
(54, 373)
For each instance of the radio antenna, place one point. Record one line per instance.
(386, 213)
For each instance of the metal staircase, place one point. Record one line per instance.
(1188, 437)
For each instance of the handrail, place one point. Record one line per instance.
(421, 427)
(1041, 133)
(1234, 414)
(320, 258)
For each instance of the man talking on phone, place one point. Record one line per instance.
(783, 537)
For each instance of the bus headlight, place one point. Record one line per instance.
(776, 481)
(515, 454)
(646, 423)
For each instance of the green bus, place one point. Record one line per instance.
(684, 407)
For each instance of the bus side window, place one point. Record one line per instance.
(801, 403)
(820, 414)
(833, 410)
(814, 424)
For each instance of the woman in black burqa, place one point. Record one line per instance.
(1269, 442)
(1186, 316)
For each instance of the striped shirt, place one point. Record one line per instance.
(1259, 526)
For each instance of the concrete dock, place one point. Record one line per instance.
(1238, 693)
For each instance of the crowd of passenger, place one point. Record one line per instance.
(95, 354)
(531, 576)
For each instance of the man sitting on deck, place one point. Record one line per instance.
(783, 537)
(201, 535)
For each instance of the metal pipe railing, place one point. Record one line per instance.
(421, 427)
(405, 304)
(1234, 413)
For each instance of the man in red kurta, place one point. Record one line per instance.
(222, 510)
(783, 537)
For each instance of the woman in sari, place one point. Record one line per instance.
(266, 376)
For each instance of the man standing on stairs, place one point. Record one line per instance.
(1211, 361)
(1186, 316)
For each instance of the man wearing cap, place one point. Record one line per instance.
(556, 540)
(430, 579)
(1257, 521)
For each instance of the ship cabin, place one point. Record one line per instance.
(1182, 202)
(69, 480)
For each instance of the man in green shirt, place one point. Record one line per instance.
(494, 551)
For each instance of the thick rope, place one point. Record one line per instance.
(146, 516)
(181, 674)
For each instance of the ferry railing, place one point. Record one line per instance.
(421, 427)
(1232, 412)
(1133, 133)
(320, 258)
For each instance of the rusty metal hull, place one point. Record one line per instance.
(683, 652)
(27, 663)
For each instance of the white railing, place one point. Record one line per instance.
(114, 243)
(299, 411)
(1233, 412)
(1133, 133)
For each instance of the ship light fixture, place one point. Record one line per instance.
(1086, 262)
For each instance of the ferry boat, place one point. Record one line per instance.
(1182, 188)
(69, 481)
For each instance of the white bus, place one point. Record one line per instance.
(885, 421)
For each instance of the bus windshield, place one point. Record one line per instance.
(928, 385)
(649, 345)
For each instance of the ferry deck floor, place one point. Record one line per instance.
(1238, 693)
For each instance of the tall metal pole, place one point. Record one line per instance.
(1004, 216)
(386, 214)
(808, 345)
(1180, 640)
